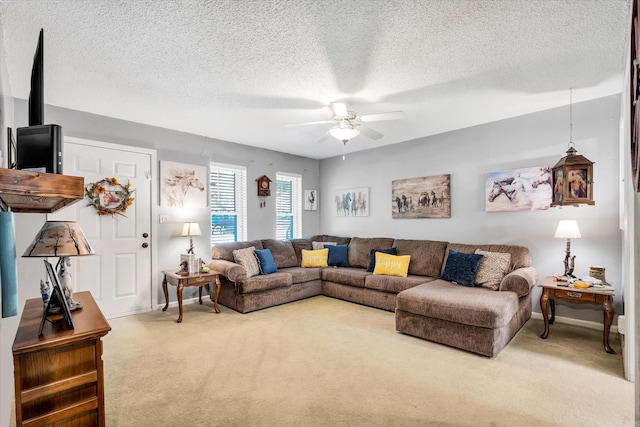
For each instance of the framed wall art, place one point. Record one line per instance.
(310, 200)
(425, 197)
(182, 185)
(352, 202)
(519, 189)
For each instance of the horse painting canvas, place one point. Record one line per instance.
(182, 185)
(352, 202)
(425, 197)
(519, 189)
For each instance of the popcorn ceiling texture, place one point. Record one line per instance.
(241, 70)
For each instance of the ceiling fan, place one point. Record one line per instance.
(348, 124)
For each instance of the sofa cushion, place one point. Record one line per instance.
(394, 284)
(247, 259)
(317, 258)
(263, 283)
(427, 256)
(493, 267)
(470, 306)
(282, 251)
(338, 240)
(461, 268)
(345, 276)
(360, 249)
(298, 246)
(265, 261)
(392, 265)
(372, 256)
(302, 274)
(338, 256)
(225, 250)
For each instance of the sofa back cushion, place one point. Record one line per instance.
(225, 250)
(337, 239)
(299, 245)
(360, 249)
(427, 256)
(282, 251)
(520, 256)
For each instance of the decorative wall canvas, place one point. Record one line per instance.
(352, 202)
(519, 189)
(425, 197)
(310, 200)
(182, 185)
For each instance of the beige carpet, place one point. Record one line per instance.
(325, 362)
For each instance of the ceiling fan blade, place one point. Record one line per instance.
(393, 115)
(324, 137)
(368, 132)
(339, 109)
(308, 123)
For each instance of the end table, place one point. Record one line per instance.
(197, 279)
(551, 291)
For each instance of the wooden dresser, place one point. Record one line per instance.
(59, 375)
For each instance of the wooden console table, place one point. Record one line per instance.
(197, 279)
(59, 376)
(551, 292)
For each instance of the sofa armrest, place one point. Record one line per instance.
(232, 271)
(520, 281)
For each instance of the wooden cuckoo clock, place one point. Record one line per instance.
(263, 186)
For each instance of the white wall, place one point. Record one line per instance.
(192, 149)
(467, 155)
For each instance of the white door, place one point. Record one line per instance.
(119, 276)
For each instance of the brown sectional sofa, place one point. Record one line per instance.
(475, 319)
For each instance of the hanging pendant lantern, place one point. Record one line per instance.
(573, 174)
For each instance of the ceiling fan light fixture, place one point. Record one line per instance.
(344, 133)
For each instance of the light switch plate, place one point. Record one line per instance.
(164, 219)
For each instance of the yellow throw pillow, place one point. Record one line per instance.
(317, 258)
(392, 265)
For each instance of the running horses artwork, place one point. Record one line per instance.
(352, 202)
(182, 185)
(425, 197)
(519, 189)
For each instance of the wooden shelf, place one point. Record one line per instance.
(24, 191)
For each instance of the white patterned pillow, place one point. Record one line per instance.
(493, 267)
(247, 258)
(320, 245)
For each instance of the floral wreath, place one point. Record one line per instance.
(109, 197)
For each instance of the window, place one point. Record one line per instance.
(288, 206)
(228, 199)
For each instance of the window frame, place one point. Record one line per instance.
(240, 199)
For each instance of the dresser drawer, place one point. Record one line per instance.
(200, 280)
(575, 295)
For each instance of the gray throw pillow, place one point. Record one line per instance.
(247, 259)
(492, 269)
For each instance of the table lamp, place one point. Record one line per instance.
(62, 239)
(568, 229)
(191, 229)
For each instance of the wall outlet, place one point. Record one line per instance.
(164, 219)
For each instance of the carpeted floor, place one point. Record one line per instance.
(325, 362)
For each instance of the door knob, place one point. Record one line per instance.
(145, 245)
(145, 235)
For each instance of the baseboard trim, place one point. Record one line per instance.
(576, 322)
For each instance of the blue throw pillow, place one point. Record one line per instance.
(372, 257)
(266, 261)
(461, 268)
(338, 255)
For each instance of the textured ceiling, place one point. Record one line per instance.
(239, 70)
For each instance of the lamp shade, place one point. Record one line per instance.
(568, 229)
(191, 229)
(59, 239)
